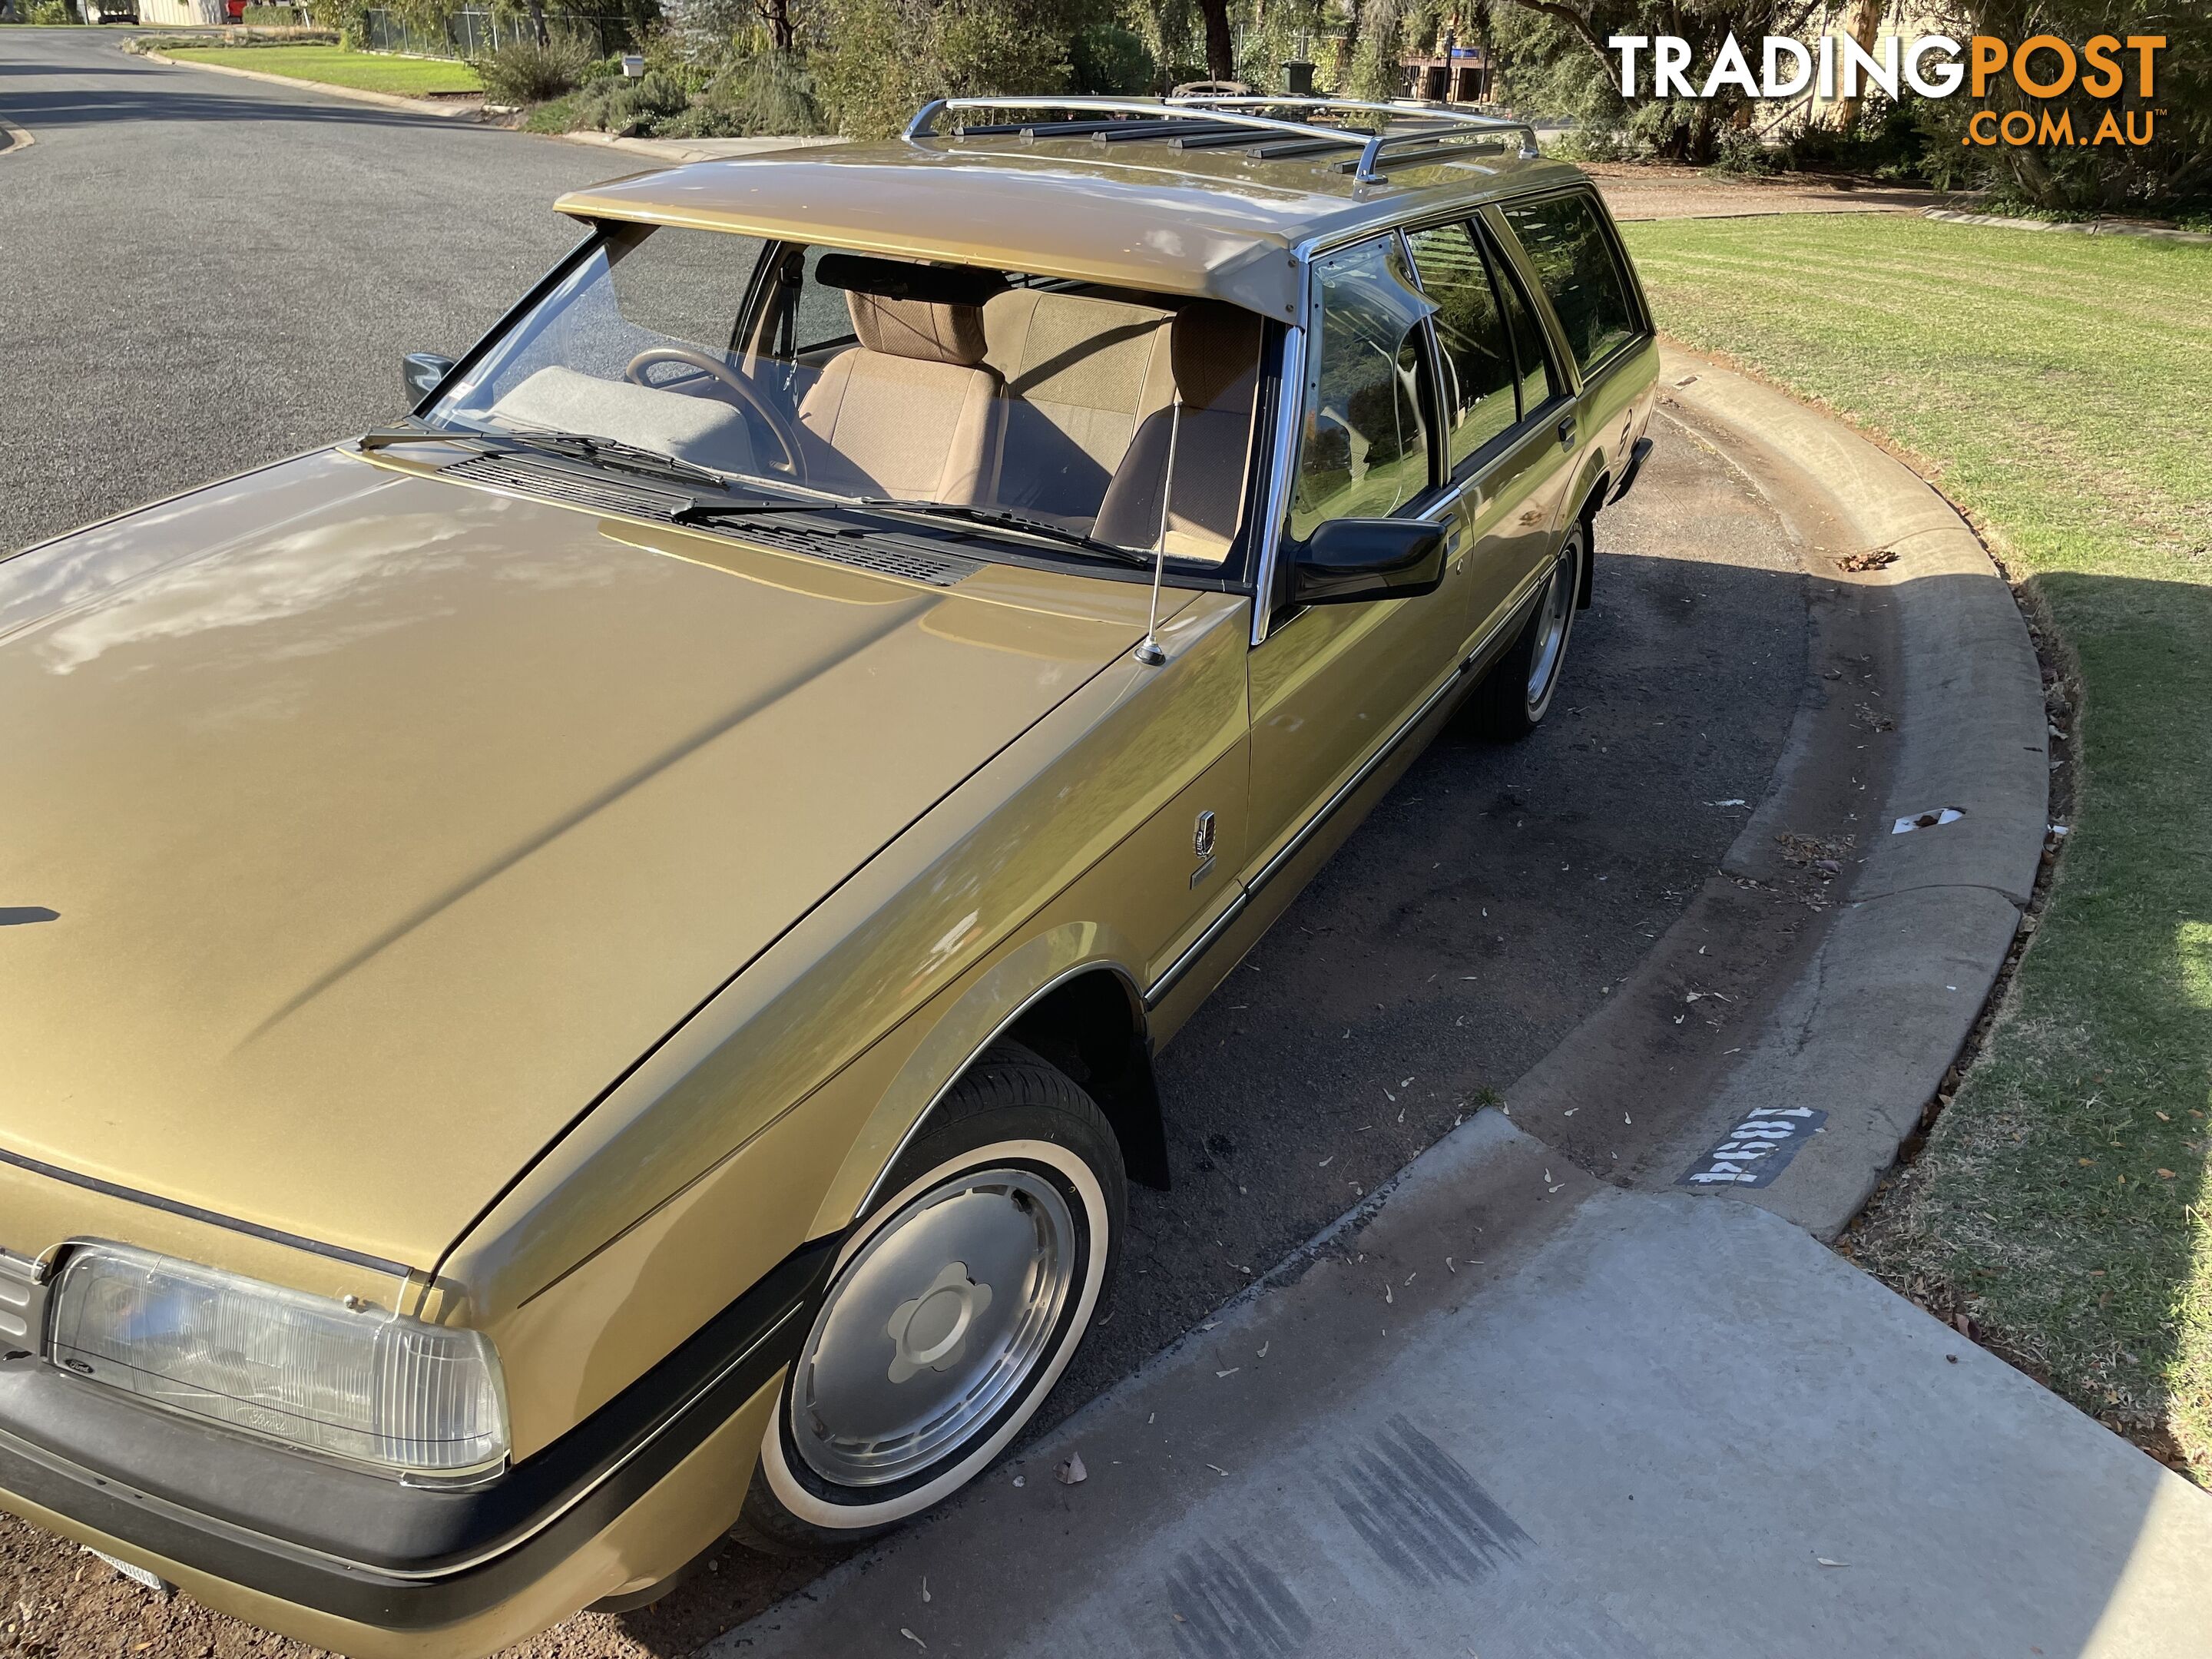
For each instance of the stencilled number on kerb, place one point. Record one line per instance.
(1757, 1149)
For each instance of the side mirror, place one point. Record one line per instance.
(422, 371)
(1352, 559)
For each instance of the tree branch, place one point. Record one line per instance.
(1578, 21)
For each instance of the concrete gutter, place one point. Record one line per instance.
(2080, 227)
(389, 100)
(1902, 975)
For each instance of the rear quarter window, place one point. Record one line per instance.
(1581, 272)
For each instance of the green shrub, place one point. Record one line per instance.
(1745, 154)
(884, 58)
(1107, 59)
(629, 109)
(49, 13)
(281, 17)
(520, 70)
(769, 95)
(348, 17)
(554, 115)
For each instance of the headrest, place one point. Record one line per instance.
(1215, 348)
(928, 332)
(906, 279)
(905, 309)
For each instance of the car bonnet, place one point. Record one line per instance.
(361, 829)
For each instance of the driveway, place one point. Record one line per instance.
(208, 273)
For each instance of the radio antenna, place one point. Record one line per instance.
(1149, 650)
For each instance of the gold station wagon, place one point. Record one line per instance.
(584, 970)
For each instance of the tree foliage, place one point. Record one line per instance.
(1554, 62)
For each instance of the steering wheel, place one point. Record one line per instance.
(770, 416)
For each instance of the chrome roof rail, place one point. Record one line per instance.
(1431, 126)
(1447, 120)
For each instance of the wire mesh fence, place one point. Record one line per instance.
(470, 33)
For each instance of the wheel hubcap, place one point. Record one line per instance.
(1552, 643)
(943, 1315)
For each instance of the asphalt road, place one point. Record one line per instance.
(206, 273)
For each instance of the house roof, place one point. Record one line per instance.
(1219, 224)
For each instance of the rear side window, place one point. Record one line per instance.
(1582, 276)
(1366, 452)
(1478, 353)
(1540, 381)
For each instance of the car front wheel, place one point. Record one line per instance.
(954, 1307)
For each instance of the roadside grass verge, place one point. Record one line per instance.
(365, 72)
(2058, 389)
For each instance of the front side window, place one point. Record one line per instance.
(1364, 450)
(1478, 353)
(1580, 272)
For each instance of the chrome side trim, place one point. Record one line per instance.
(1199, 946)
(1290, 411)
(1350, 786)
(999, 1030)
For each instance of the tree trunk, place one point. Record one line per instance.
(1220, 44)
(776, 15)
(1863, 23)
(537, 29)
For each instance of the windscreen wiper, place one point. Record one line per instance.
(990, 518)
(580, 446)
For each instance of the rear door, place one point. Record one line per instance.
(1504, 398)
(1567, 244)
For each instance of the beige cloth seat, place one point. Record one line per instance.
(1215, 351)
(910, 412)
(1081, 373)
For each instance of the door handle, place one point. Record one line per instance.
(1567, 433)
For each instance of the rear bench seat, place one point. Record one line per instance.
(1081, 373)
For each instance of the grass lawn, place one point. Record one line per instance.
(2059, 389)
(369, 71)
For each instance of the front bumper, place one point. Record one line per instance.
(367, 1565)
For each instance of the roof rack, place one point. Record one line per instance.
(1429, 131)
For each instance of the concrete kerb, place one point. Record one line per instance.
(1904, 971)
(2078, 227)
(692, 149)
(359, 96)
(16, 137)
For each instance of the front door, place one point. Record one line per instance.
(1331, 684)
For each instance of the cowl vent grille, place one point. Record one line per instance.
(908, 557)
(570, 488)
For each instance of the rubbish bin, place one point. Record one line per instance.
(1297, 78)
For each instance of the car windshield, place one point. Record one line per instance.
(1121, 417)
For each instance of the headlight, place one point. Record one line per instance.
(402, 1397)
